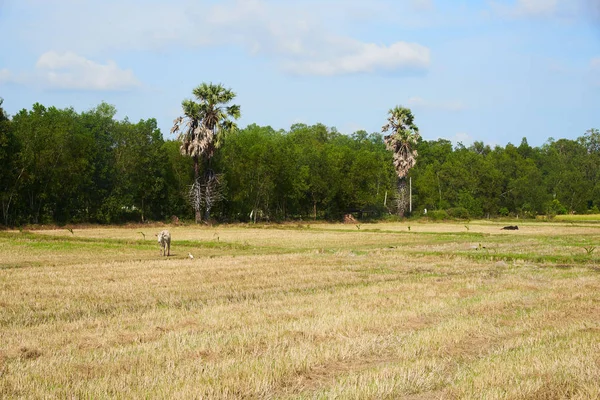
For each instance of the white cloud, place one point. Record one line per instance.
(71, 71)
(535, 7)
(419, 102)
(8, 76)
(526, 8)
(5, 75)
(302, 44)
(300, 36)
(367, 57)
(423, 5)
(564, 10)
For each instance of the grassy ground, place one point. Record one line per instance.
(420, 311)
(578, 217)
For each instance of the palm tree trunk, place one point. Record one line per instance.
(208, 195)
(402, 199)
(198, 216)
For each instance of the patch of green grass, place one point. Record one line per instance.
(579, 259)
(578, 217)
(42, 242)
(17, 265)
(379, 270)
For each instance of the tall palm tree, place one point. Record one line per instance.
(201, 130)
(401, 140)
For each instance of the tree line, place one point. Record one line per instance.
(60, 166)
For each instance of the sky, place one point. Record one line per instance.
(490, 70)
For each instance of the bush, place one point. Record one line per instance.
(554, 207)
(470, 204)
(458, 212)
(438, 215)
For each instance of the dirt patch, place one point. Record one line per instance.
(319, 376)
(28, 353)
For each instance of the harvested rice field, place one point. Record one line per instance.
(302, 311)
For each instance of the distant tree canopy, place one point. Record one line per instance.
(60, 166)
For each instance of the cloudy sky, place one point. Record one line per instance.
(487, 70)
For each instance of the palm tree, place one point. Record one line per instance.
(201, 130)
(403, 137)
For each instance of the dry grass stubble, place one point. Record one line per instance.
(355, 319)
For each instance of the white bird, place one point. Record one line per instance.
(190, 256)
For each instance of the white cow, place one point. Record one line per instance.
(164, 240)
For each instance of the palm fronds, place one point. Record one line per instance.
(206, 121)
(403, 137)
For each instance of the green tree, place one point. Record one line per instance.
(250, 161)
(591, 141)
(402, 141)
(201, 131)
(9, 173)
(317, 165)
(141, 188)
(431, 187)
(369, 173)
(179, 177)
(54, 155)
(96, 193)
(563, 162)
(465, 179)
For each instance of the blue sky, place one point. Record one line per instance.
(490, 70)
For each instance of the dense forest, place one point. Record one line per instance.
(59, 166)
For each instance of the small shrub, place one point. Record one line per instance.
(391, 218)
(438, 215)
(554, 208)
(458, 212)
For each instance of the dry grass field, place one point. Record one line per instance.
(302, 311)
